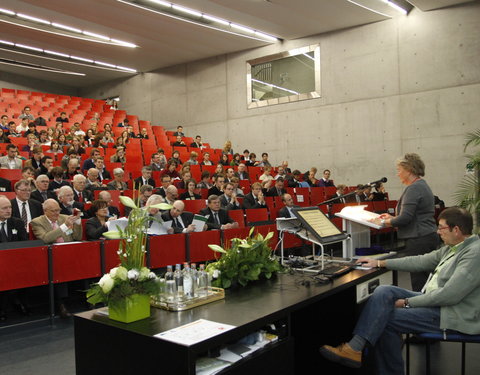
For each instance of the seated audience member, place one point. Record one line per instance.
(379, 194)
(71, 154)
(447, 303)
(73, 168)
(55, 148)
(228, 200)
(42, 193)
(80, 193)
(218, 171)
(119, 156)
(266, 177)
(358, 197)
(153, 212)
(280, 173)
(179, 142)
(186, 176)
(46, 165)
(123, 124)
(28, 173)
(341, 190)
(62, 140)
(255, 198)
(97, 224)
(285, 167)
(193, 159)
(12, 131)
(242, 173)
(4, 137)
(92, 181)
(190, 193)
(67, 205)
(236, 190)
(32, 130)
(236, 160)
(145, 192)
(309, 177)
(11, 227)
(77, 145)
(107, 138)
(118, 183)
(157, 164)
(57, 181)
(171, 194)
(206, 159)
(252, 161)
(197, 143)
(264, 162)
(23, 126)
(26, 114)
(43, 138)
(103, 174)
(217, 189)
(217, 217)
(145, 178)
(5, 185)
(23, 207)
(224, 160)
(227, 148)
(181, 220)
(286, 211)
(166, 182)
(4, 123)
(32, 143)
(120, 143)
(246, 155)
(229, 174)
(62, 118)
(325, 180)
(205, 181)
(11, 160)
(176, 157)
(171, 170)
(293, 179)
(77, 132)
(113, 211)
(143, 134)
(278, 190)
(179, 131)
(90, 162)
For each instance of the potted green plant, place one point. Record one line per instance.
(127, 289)
(468, 193)
(246, 260)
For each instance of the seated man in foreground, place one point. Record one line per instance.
(451, 298)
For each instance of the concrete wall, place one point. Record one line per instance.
(19, 82)
(410, 84)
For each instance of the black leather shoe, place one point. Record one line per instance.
(63, 312)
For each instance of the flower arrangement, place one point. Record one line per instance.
(246, 260)
(131, 277)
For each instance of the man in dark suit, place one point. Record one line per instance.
(67, 204)
(242, 173)
(325, 180)
(181, 220)
(90, 163)
(5, 185)
(166, 182)
(145, 178)
(217, 217)
(42, 193)
(179, 142)
(278, 190)
(286, 211)
(179, 131)
(341, 189)
(58, 181)
(255, 198)
(293, 180)
(11, 229)
(217, 189)
(80, 193)
(103, 174)
(228, 200)
(105, 195)
(198, 142)
(22, 206)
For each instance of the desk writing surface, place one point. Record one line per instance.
(247, 308)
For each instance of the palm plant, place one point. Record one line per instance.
(468, 194)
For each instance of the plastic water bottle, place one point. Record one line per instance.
(194, 271)
(169, 273)
(188, 284)
(177, 275)
(203, 282)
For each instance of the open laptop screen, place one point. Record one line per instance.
(317, 223)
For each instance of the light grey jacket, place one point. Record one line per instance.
(458, 292)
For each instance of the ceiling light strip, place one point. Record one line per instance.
(71, 29)
(25, 65)
(196, 17)
(66, 56)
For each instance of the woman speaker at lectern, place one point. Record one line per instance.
(414, 214)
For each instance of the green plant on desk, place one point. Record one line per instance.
(131, 283)
(246, 260)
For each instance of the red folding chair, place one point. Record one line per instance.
(198, 245)
(253, 215)
(238, 216)
(229, 234)
(167, 250)
(76, 261)
(195, 206)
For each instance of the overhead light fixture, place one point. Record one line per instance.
(65, 57)
(395, 6)
(45, 68)
(32, 22)
(196, 17)
(275, 86)
(385, 7)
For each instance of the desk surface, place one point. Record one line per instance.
(248, 308)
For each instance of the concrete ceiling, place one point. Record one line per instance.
(163, 41)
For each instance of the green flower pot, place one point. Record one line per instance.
(130, 309)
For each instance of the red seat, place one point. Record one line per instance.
(238, 216)
(256, 214)
(195, 206)
(110, 253)
(167, 250)
(265, 229)
(379, 206)
(229, 234)
(199, 241)
(11, 174)
(76, 261)
(23, 268)
(317, 195)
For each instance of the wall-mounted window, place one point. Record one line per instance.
(285, 77)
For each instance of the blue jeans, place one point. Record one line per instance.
(382, 324)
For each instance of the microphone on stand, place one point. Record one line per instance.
(373, 183)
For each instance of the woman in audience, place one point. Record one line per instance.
(170, 170)
(77, 145)
(143, 134)
(252, 161)
(310, 177)
(125, 136)
(3, 137)
(186, 176)
(266, 178)
(97, 224)
(62, 140)
(193, 159)
(224, 160)
(206, 159)
(55, 148)
(205, 183)
(414, 214)
(59, 129)
(107, 127)
(190, 193)
(107, 138)
(162, 159)
(237, 159)
(120, 142)
(227, 148)
(117, 183)
(89, 137)
(43, 138)
(51, 134)
(219, 170)
(176, 157)
(119, 156)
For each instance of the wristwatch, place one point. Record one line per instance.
(406, 304)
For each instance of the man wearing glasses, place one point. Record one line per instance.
(22, 206)
(450, 299)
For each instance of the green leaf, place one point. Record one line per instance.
(226, 283)
(127, 201)
(112, 235)
(217, 248)
(161, 206)
(268, 236)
